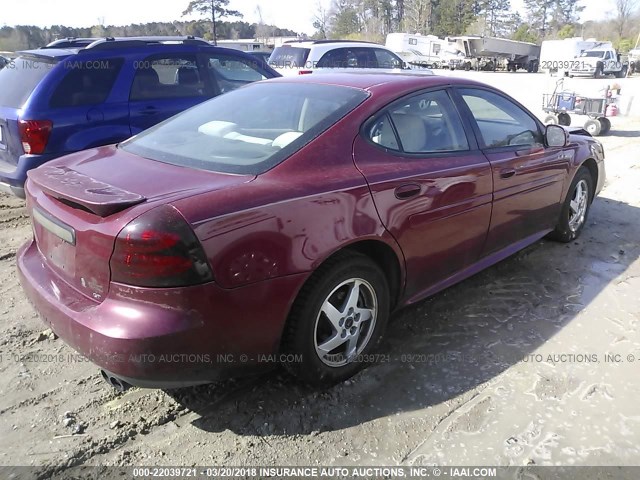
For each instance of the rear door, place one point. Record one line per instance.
(528, 177)
(431, 185)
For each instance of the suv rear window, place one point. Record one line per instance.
(289, 57)
(249, 130)
(20, 77)
(86, 83)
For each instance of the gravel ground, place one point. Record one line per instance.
(533, 361)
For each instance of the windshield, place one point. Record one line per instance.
(249, 130)
(289, 57)
(20, 77)
(596, 54)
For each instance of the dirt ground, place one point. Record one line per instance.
(533, 361)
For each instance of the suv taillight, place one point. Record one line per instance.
(34, 135)
(159, 249)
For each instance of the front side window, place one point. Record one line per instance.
(229, 73)
(239, 133)
(159, 77)
(86, 83)
(501, 122)
(385, 59)
(426, 123)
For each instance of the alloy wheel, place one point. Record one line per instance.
(345, 322)
(578, 205)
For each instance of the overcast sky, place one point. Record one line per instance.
(294, 14)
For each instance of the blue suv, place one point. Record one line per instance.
(55, 101)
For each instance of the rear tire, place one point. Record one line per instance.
(605, 125)
(551, 120)
(338, 319)
(575, 209)
(599, 71)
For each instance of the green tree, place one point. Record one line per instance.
(212, 8)
(524, 33)
(568, 31)
(539, 13)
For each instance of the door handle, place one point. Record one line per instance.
(507, 173)
(149, 111)
(409, 190)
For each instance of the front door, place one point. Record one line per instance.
(528, 177)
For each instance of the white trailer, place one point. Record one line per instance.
(244, 45)
(556, 56)
(422, 50)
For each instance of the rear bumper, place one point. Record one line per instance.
(164, 338)
(13, 177)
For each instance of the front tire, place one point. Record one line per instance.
(564, 119)
(338, 319)
(593, 126)
(575, 209)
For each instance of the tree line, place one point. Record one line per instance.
(540, 20)
(24, 37)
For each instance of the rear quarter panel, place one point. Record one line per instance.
(290, 219)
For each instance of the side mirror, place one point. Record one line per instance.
(556, 136)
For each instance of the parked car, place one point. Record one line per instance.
(226, 239)
(57, 101)
(303, 57)
(72, 42)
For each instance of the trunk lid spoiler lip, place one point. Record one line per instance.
(98, 197)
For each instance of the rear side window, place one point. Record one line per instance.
(86, 83)
(349, 58)
(426, 123)
(20, 77)
(289, 57)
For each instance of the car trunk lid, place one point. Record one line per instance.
(79, 207)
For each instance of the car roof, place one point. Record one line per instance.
(404, 82)
(330, 44)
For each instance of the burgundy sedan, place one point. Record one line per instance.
(284, 221)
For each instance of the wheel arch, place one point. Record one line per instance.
(592, 166)
(385, 256)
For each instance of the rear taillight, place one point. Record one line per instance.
(159, 249)
(34, 135)
(305, 72)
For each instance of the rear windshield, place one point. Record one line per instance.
(289, 57)
(20, 77)
(249, 130)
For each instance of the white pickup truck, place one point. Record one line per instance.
(597, 63)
